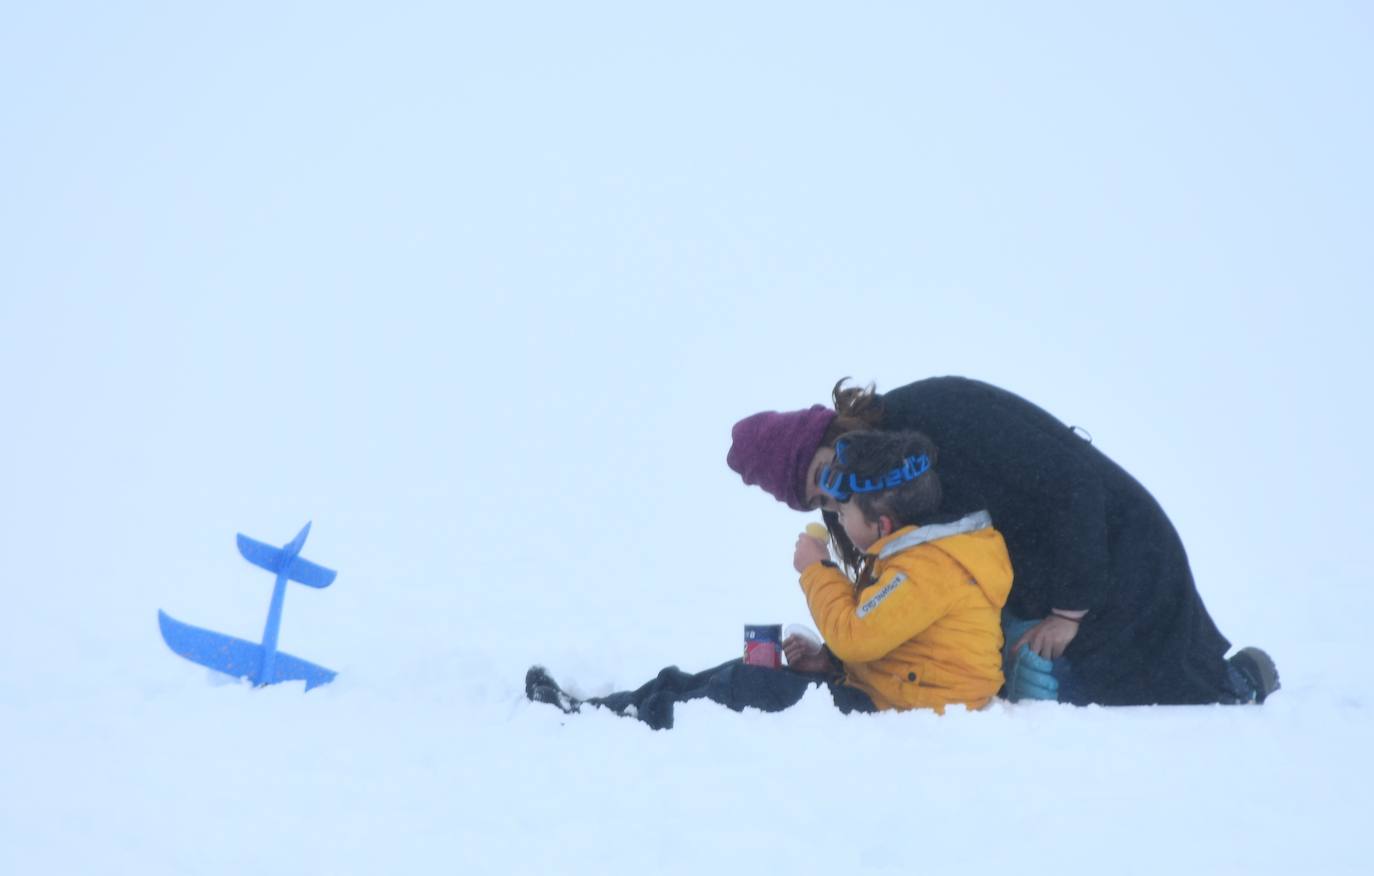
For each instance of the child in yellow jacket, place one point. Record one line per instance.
(919, 626)
(921, 629)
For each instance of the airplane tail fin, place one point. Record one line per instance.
(279, 560)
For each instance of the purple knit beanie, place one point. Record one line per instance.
(773, 450)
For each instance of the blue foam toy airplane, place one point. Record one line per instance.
(261, 664)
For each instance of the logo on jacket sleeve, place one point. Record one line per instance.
(882, 594)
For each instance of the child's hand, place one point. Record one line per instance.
(804, 656)
(809, 552)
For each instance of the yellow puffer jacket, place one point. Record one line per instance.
(928, 631)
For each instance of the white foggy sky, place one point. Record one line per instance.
(481, 291)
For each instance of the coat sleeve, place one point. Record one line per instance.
(1039, 479)
(865, 626)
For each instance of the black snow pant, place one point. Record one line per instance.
(733, 684)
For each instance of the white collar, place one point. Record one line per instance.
(922, 534)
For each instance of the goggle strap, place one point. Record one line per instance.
(832, 483)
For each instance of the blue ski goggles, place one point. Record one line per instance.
(840, 485)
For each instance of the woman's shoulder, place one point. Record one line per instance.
(917, 404)
(946, 385)
(950, 398)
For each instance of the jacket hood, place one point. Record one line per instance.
(970, 541)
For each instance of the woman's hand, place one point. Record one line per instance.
(803, 656)
(1050, 637)
(809, 551)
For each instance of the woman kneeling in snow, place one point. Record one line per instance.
(1104, 609)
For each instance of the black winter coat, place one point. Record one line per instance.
(1082, 534)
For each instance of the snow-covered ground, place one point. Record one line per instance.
(481, 293)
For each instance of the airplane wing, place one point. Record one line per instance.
(219, 652)
(290, 668)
